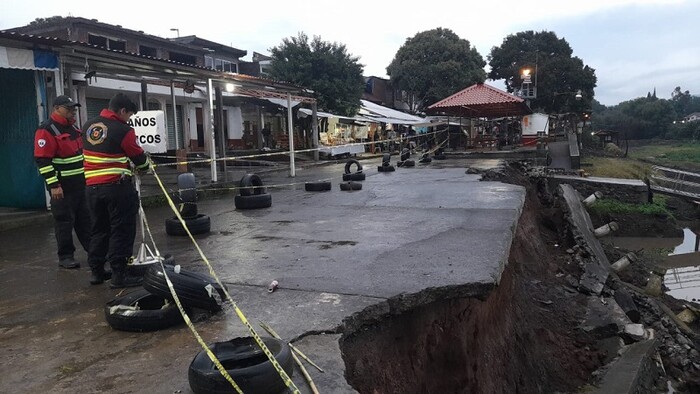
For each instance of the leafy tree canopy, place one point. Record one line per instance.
(433, 65)
(684, 103)
(641, 118)
(559, 75)
(327, 68)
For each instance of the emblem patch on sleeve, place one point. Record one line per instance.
(96, 133)
(41, 142)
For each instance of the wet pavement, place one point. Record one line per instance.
(334, 253)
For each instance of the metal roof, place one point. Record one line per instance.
(481, 100)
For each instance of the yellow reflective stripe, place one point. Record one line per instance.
(72, 172)
(95, 159)
(45, 169)
(51, 180)
(108, 171)
(67, 160)
(144, 165)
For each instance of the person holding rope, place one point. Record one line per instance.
(109, 144)
(58, 152)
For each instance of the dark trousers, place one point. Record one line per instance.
(113, 210)
(69, 213)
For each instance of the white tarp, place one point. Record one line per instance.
(282, 102)
(388, 115)
(532, 124)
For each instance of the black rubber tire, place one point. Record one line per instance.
(254, 201)
(187, 210)
(347, 186)
(350, 163)
(249, 180)
(358, 176)
(388, 168)
(200, 224)
(405, 154)
(409, 163)
(151, 316)
(187, 187)
(141, 269)
(189, 286)
(425, 159)
(399, 164)
(386, 159)
(317, 186)
(245, 362)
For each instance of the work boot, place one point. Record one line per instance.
(68, 263)
(120, 280)
(98, 276)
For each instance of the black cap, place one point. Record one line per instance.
(65, 101)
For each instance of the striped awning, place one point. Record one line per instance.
(25, 59)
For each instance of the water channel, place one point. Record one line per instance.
(682, 260)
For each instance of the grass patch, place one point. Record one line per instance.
(684, 155)
(613, 167)
(608, 206)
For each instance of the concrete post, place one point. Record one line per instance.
(592, 198)
(606, 229)
(624, 262)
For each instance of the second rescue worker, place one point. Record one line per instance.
(109, 143)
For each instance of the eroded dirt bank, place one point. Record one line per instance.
(523, 337)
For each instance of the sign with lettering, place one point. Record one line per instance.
(151, 132)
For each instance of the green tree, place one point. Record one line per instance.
(684, 103)
(327, 68)
(433, 65)
(559, 74)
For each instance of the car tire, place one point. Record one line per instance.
(200, 224)
(348, 186)
(317, 186)
(357, 176)
(251, 184)
(349, 164)
(153, 312)
(245, 362)
(388, 168)
(190, 287)
(409, 163)
(253, 201)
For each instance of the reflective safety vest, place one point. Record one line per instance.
(109, 145)
(58, 152)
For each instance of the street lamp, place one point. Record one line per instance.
(176, 30)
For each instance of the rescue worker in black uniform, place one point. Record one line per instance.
(109, 144)
(58, 152)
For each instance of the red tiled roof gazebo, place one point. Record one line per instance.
(480, 101)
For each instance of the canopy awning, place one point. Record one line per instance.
(480, 101)
(387, 115)
(26, 59)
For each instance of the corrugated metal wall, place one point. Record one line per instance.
(20, 183)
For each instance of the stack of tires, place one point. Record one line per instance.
(196, 222)
(351, 178)
(153, 307)
(357, 175)
(252, 193)
(405, 161)
(386, 164)
(320, 186)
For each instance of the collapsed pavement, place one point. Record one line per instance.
(459, 286)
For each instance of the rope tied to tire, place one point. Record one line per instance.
(282, 373)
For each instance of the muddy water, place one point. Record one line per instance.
(683, 262)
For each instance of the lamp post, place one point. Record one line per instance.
(176, 30)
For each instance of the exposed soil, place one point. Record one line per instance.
(526, 335)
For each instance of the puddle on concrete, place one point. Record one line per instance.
(683, 262)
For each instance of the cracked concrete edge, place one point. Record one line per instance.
(631, 372)
(596, 267)
(402, 303)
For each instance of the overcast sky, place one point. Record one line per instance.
(634, 45)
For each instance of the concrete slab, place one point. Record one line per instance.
(334, 254)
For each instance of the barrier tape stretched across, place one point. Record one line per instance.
(283, 374)
(259, 155)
